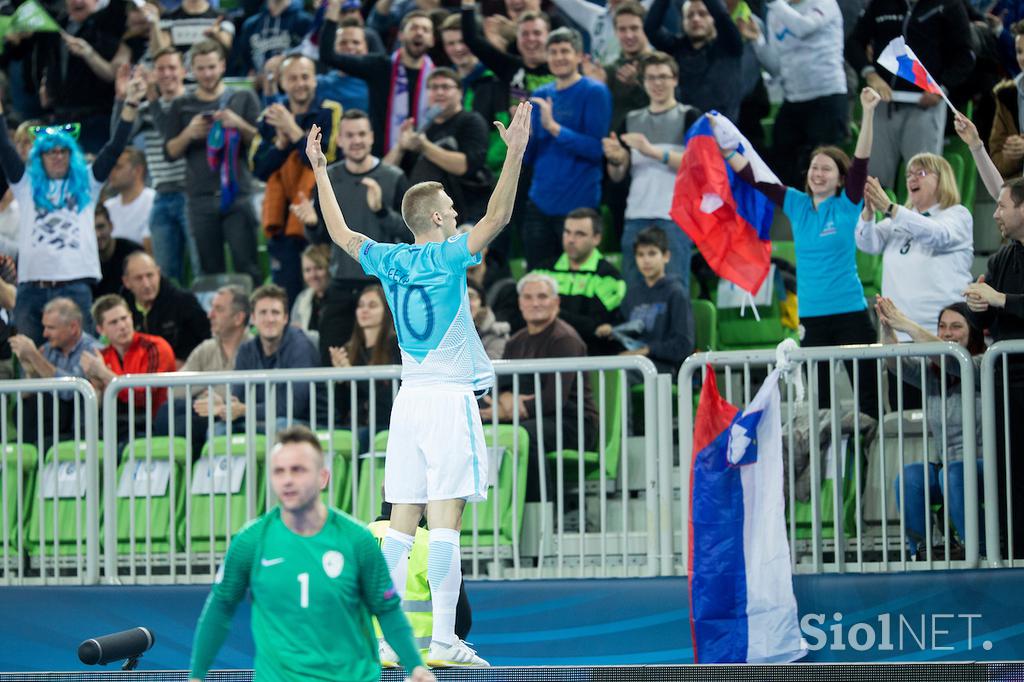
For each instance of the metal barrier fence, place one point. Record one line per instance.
(856, 499)
(164, 507)
(1011, 394)
(183, 468)
(44, 486)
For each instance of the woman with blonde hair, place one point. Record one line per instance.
(308, 306)
(927, 245)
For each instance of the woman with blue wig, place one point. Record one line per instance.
(58, 191)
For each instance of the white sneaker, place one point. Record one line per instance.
(388, 657)
(457, 655)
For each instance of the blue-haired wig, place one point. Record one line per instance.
(76, 195)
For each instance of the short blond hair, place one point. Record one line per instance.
(948, 193)
(420, 202)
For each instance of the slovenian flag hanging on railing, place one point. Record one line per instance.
(728, 220)
(742, 606)
(898, 58)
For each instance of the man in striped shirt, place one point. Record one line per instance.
(167, 222)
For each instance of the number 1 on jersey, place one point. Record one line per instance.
(303, 579)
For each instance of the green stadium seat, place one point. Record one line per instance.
(371, 491)
(786, 250)
(61, 509)
(803, 512)
(510, 507)
(869, 269)
(13, 478)
(612, 431)
(518, 267)
(212, 518)
(160, 514)
(338, 447)
(705, 325)
(615, 259)
(737, 332)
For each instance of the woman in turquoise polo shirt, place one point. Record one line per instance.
(830, 298)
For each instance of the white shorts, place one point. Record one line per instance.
(436, 448)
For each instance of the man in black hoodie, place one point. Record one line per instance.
(911, 121)
(162, 309)
(997, 299)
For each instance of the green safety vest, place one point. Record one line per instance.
(416, 601)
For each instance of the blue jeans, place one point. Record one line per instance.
(28, 311)
(679, 245)
(541, 235)
(172, 243)
(916, 516)
(221, 428)
(286, 264)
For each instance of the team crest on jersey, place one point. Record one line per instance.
(333, 562)
(454, 238)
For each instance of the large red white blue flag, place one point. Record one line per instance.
(728, 220)
(742, 606)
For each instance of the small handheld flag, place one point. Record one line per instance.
(32, 18)
(898, 58)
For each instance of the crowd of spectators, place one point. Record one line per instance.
(149, 144)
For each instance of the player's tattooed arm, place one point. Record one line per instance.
(349, 240)
(354, 244)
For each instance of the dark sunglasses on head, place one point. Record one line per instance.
(72, 129)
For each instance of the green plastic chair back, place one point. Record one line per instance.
(804, 513)
(338, 448)
(786, 250)
(705, 325)
(745, 333)
(15, 476)
(157, 515)
(869, 269)
(62, 518)
(371, 483)
(512, 472)
(612, 431)
(215, 517)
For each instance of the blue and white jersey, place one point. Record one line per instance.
(425, 285)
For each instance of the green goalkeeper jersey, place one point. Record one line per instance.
(312, 601)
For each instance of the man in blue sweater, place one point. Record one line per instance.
(571, 117)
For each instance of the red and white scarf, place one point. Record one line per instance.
(398, 97)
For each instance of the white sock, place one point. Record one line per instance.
(396, 548)
(444, 573)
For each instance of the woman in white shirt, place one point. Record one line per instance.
(927, 246)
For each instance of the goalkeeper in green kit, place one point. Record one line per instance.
(316, 577)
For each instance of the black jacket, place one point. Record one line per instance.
(176, 316)
(1005, 274)
(936, 30)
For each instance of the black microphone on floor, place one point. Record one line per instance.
(126, 645)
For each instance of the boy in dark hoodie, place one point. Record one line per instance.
(660, 303)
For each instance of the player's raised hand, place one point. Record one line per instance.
(313, 151)
(517, 135)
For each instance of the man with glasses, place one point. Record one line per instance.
(58, 191)
(650, 144)
(451, 148)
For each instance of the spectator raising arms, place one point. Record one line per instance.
(804, 49)
(58, 191)
(927, 245)
(830, 297)
(709, 53)
(956, 325)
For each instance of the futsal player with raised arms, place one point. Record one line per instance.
(316, 576)
(436, 455)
